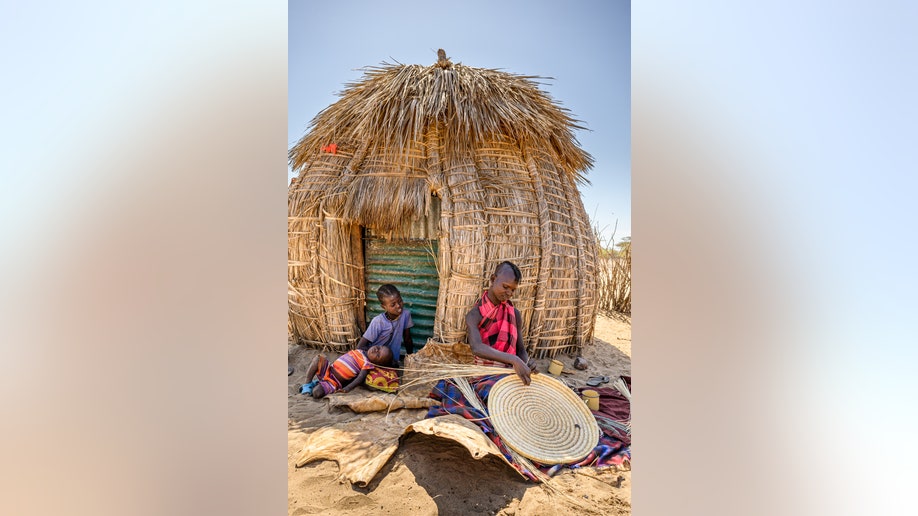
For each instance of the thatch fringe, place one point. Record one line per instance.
(394, 105)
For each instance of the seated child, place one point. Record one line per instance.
(493, 325)
(350, 367)
(390, 328)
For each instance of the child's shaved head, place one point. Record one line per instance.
(380, 355)
(509, 266)
(385, 355)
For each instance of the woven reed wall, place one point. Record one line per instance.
(503, 201)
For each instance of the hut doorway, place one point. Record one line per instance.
(410, 263)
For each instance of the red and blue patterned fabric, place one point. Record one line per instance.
(610, 450)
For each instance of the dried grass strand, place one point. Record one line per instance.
(622, 387)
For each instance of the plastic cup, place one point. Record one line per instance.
(591, 398)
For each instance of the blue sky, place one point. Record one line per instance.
(584, 46)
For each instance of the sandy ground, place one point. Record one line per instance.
(431, 475)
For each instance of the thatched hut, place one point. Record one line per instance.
(427, 177)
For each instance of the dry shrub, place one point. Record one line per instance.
(613, 268)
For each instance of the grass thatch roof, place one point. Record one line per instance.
(394, 106)
(502, 160)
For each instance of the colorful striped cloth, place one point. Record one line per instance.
(347, 367)
(497, 328)
(610, 450)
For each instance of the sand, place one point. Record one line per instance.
(432, 475)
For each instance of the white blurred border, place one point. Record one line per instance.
(142, 216)
(773, 212)
(144, 258)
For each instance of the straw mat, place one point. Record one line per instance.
(544, 421)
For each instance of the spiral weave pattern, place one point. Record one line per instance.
(544, 421)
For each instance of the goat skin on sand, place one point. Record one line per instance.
(362, 449)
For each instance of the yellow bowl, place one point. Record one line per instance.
(555, 367)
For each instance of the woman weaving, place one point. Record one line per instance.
(493, 325)
(494, 336)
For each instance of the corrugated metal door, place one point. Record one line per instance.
(410, 265)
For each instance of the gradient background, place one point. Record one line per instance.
(142, 267)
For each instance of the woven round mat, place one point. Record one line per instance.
(544, 421)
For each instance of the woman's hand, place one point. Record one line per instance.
(522, 370)
(532, 366)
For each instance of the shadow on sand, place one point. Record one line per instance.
(458, 483)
